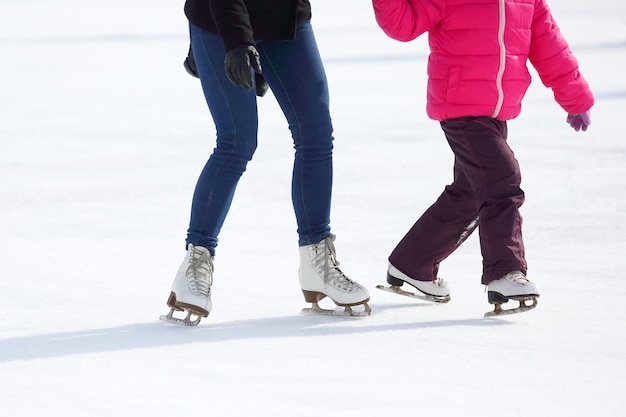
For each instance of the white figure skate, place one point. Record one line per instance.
(512, 286)
(191, 289)
(436, 291)
(321, 277)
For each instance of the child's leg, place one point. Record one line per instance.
(484, 156)
(438, 232)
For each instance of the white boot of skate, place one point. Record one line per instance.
(321, 277)
(512, 286)
(437, 288)
(191, 289)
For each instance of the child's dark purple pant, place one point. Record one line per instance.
(485, 193)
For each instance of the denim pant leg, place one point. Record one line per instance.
(234, 113)
(295, 73)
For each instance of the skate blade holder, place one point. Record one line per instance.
(523, 307)
(192, 319)
(347, 312)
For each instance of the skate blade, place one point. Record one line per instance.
(189, 320)
(397, 290)
(523, 307)
(347, 312)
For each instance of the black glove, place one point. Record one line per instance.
(190, 64)
(237, 65)
(261, 85)
(190, 67)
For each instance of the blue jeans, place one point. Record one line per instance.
(295, 73)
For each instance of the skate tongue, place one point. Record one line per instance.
(200, 271)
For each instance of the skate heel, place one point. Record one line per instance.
(171, 302)
(176, 305)
(496, 298)
(312, 296)
(391, 280)
(194, 313)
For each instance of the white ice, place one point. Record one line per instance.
(102, 137)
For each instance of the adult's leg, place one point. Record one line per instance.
(235, 116)
(295, 73)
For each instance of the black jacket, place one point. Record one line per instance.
(241, 22)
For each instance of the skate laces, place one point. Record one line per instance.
(325, 262)
(516, 277)
(440, 282)
(200, 271)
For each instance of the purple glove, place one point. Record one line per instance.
(579, 121)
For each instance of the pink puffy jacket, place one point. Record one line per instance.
(479, 49)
